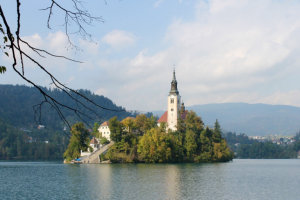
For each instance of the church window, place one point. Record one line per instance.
(172, 100)
(172, 109)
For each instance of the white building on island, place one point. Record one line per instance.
(94, 143)
(104, 130)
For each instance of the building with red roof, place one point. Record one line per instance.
(175, 110)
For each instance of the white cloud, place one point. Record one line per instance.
(231, 49)
(119, 39)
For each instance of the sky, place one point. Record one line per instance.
(222, 50)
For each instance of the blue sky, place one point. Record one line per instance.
(223, 51)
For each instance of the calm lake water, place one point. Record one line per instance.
(240, 179)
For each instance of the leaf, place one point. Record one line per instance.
(2, 69)
(5, 39)
(6, 53)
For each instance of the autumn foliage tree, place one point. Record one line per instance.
(191, 143)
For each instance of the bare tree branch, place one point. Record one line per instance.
(80, 17)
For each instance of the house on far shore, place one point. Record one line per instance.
(40, 126)
(94, 143)
(104, 130)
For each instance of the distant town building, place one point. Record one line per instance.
(41, 126)
(175, 110)
(104, 130)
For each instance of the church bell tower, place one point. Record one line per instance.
(173, 104)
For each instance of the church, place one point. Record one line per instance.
(175, 110)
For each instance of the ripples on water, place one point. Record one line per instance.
(240, 179)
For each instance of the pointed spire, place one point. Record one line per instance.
(174, 84)
(182, 109)
(174, 76)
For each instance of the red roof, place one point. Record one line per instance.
(104, 123)
(93, 141)
(163, 118)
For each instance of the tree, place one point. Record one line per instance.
(155, 146)
(116, 129)
(217, 132)
(143, 123)
(193, 122)
(190, 143)
(21, 53)
(129, 124)
(95, 130)
(79, 141)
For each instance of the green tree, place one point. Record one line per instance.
(190, 144)
(193, 122)
(95, 132)
(155, 146)
(79, 141)
(116, 129)
(143, 123)
(216, 136)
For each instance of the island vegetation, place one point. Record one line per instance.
(141, 140)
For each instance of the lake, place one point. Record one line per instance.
(239, 179)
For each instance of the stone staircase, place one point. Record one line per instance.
(94, 158)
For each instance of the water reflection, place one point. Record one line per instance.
(137, 181)
(239, 180)
(172, 180)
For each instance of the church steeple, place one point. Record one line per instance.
(174, 89)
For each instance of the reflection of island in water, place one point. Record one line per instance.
(143, 181)
(240, 179)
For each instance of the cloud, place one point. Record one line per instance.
(119, 39)
(228, 51)
(233, 50)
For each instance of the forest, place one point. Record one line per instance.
(18, 108)
(20, 138)
(17, 144)
(253, 149)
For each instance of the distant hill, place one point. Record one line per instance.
(16, 107)
(252, 119)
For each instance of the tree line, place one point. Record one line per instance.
(15, 144)
(18, 108)
(245, 147)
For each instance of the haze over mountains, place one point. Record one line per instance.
(251, 119)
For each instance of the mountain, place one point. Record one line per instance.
(251, 119)
(17, 103)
